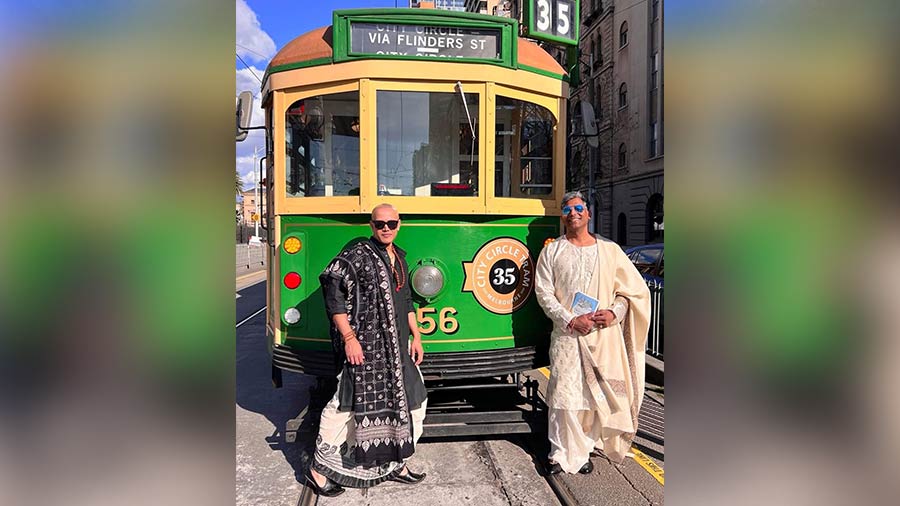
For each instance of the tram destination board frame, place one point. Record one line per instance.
(401, 33)
(556, 21)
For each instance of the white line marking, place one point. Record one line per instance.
(251, 316)
(427, 50)
(237, 296)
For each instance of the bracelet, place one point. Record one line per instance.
(348, 336)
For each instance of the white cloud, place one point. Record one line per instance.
(257, 45)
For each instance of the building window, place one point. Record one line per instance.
(654, 10)
(623, 34)
(623, 158)
(599, 57)
(623, 95)
(622, 230)
(654, 71)
(599, 103)
(654, 139)
(655, 225)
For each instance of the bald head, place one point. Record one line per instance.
(387, 210)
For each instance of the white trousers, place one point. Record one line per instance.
(573, 435)
(334, 458)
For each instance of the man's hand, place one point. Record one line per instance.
(603, 318)
(416, 351)
(354, 351)
(582, 324)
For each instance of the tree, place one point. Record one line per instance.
(238, 183)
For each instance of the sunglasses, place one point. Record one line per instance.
(568, 209)
(391, 224)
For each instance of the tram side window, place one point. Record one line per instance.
(523, 157)
(322, 146)
(427, 143)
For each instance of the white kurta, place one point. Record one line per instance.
(596, 380)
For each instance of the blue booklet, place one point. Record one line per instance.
(583, 304)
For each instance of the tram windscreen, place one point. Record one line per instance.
(322, 146)
(523, 149)
(426, 143)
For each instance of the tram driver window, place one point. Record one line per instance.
(322, 146)
(523, 157)
(427, 143)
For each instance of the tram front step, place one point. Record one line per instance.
(475, 417)
(475, 429)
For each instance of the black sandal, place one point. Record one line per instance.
(410, 478)
(330, 489)
(553, 468)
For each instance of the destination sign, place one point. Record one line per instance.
(425, 41)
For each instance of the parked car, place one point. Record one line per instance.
(649, 260)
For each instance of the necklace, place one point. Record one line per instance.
(400, 278)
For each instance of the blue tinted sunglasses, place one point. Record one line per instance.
(568, 209)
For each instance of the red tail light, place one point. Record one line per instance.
(292, 280)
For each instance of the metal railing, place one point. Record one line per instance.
(655, 335)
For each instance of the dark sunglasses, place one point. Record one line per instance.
(568, 209)
(391, 224)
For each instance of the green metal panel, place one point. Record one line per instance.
(449, 242)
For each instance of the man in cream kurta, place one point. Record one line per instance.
(596, 358)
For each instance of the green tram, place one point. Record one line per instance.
(458, 123)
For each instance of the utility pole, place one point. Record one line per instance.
(256, 207)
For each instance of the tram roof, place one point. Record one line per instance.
(316, 47)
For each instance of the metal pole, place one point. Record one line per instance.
(255, 194)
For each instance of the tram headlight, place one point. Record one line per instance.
(428, 281)
(292, 315)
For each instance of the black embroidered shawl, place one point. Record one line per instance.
(381, 413)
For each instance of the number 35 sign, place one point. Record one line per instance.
(553, 20)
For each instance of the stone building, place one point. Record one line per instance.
(621, 66)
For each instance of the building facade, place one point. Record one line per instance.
(621, 65)
(620, 68)
(249, 206)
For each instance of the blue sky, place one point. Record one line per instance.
(264, 27)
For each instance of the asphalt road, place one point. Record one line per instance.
(485, 472)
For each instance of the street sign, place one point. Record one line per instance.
(553, 20)
(424, 41)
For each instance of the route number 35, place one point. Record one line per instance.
(545, 16)
(446, 322)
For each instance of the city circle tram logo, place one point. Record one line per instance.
(501, 276)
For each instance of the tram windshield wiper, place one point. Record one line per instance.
(462, 95)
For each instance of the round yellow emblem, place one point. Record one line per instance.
(501, 275)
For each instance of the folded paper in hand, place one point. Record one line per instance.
(583, 304)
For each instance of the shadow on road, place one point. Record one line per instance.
(255, 392)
